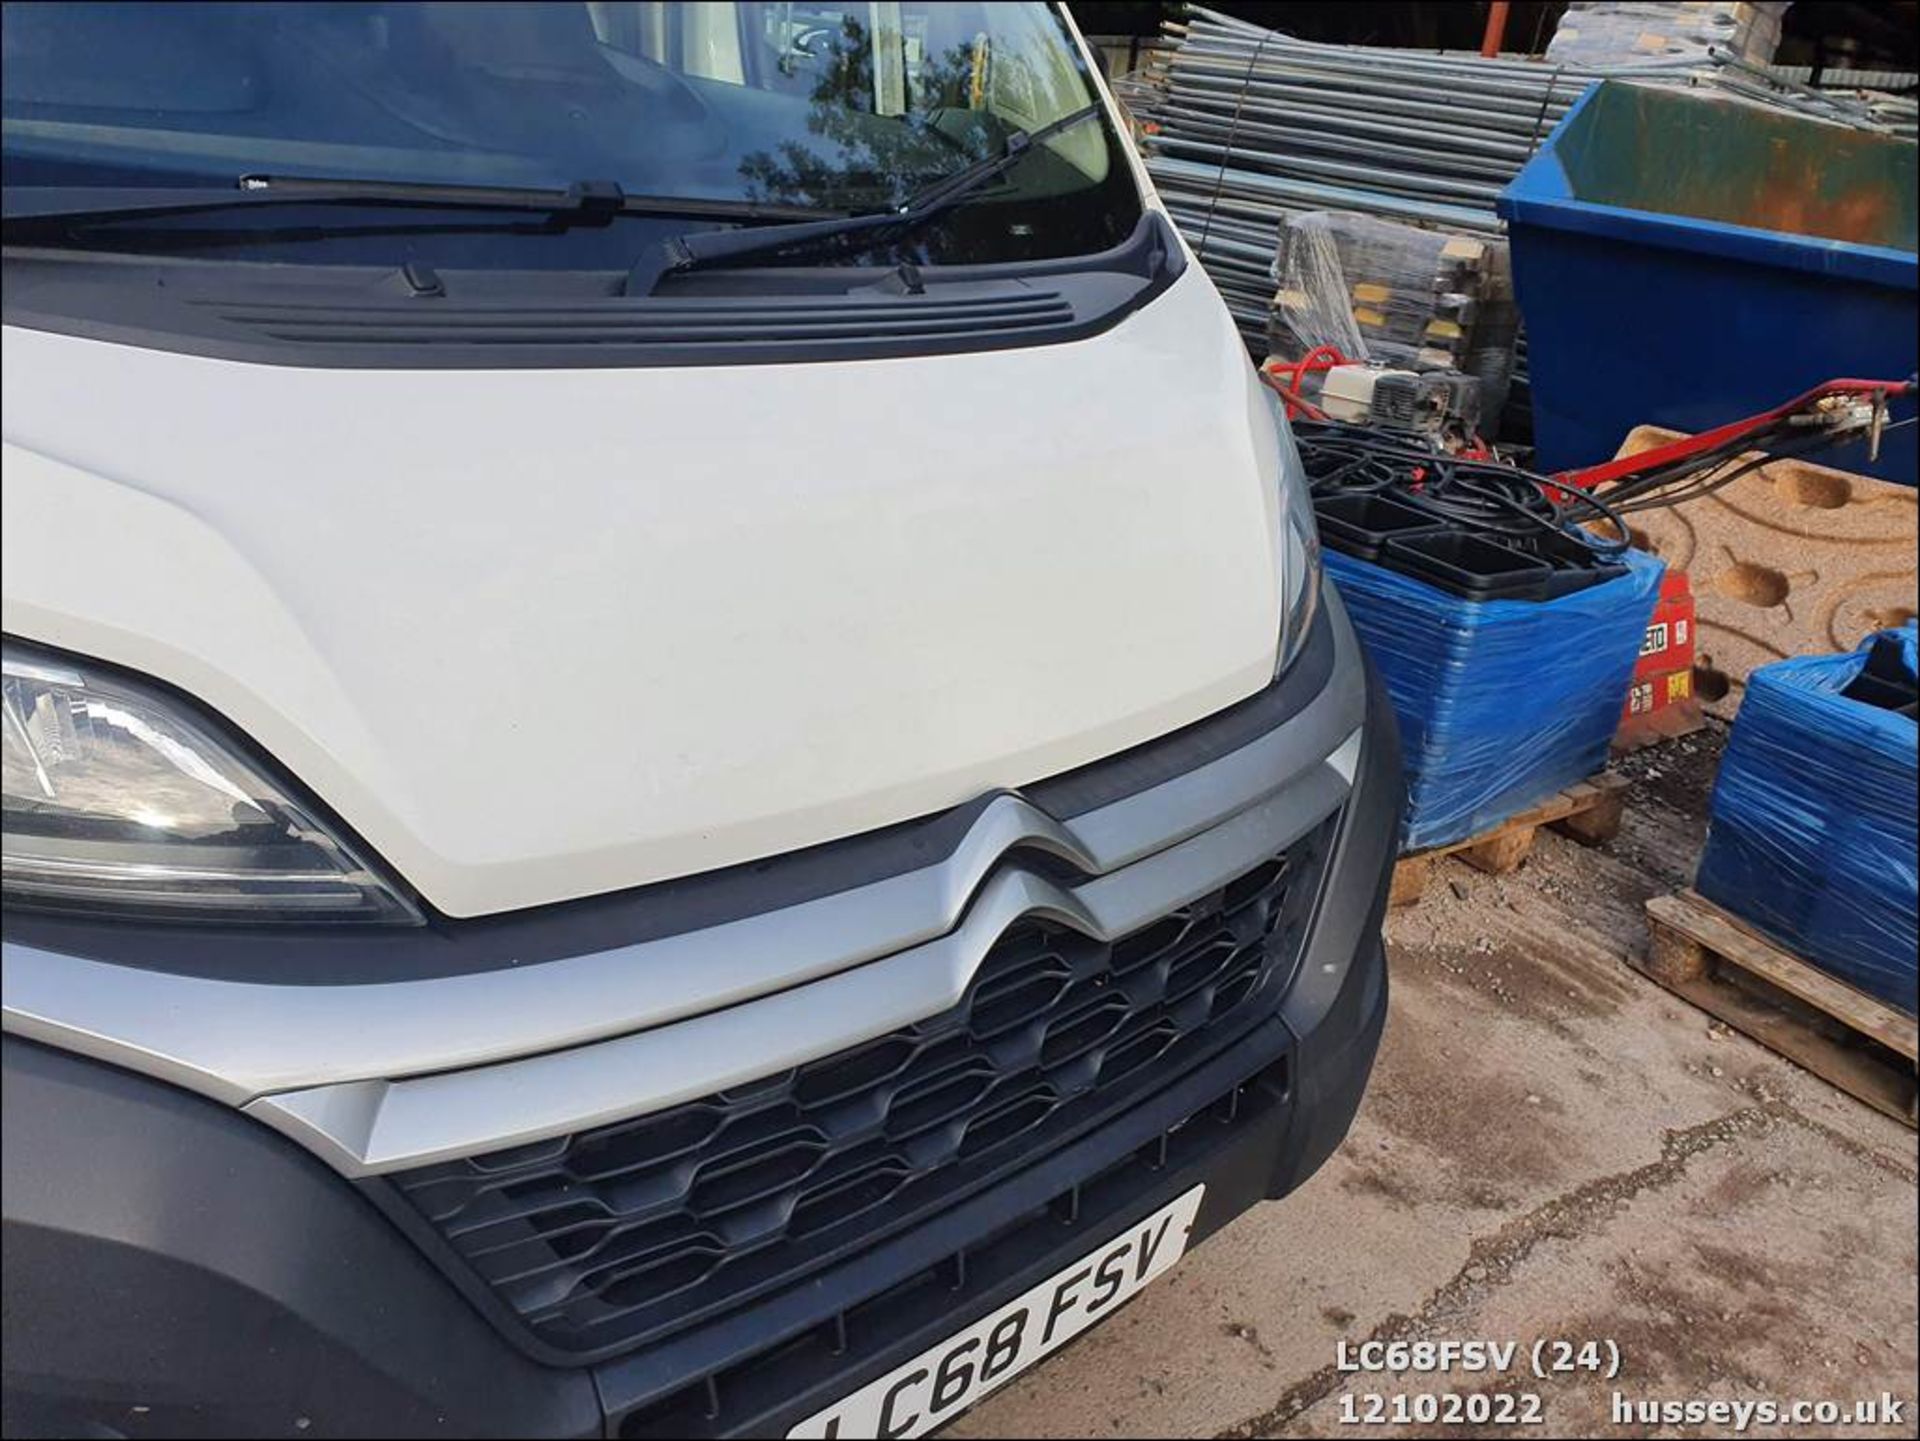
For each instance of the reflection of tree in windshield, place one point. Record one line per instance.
(870, 160)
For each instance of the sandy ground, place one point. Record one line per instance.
(1551, 1147)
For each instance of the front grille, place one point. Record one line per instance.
(609, 1238)
(735, 1399)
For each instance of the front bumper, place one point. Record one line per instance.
(175, 1268)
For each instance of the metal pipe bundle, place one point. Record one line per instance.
(1244, 125)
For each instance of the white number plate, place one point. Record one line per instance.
(940, 1383)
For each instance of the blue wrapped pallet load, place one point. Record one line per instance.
(1811, 834)
(1501, 703)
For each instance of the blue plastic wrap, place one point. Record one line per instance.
(1812, 827)
(1501, 702)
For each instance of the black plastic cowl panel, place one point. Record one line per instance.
(359, 317)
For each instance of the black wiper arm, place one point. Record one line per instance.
(709, 248)
(40, 204)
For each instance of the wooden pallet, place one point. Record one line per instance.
(1589, 811)
(1859, 1043)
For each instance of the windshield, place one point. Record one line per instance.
(837, 107)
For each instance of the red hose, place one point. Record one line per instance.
(1610, 472)
(1321, 357)
(1294, 401)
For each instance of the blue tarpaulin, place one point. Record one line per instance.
(1812, 825)
(1501, 703)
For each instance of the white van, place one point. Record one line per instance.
(674, 761)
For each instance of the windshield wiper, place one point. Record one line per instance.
(709, 248)
(586, 201)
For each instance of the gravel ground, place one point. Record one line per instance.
(1551, 1147)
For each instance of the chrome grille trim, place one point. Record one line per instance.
(367, 1127)
(347, 1068)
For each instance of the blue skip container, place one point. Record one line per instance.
(1684, 259)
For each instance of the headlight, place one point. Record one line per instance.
(1299, 544)
(120, 800)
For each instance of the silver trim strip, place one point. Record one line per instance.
(358, 1071)
(365, 1127)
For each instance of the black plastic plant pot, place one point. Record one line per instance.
(1576, 565)
(1358, 523)
(1469, 566)
(1885, 680)
(1566, 581)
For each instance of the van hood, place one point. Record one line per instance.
(542, 634)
